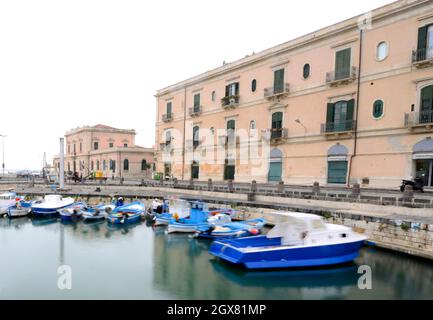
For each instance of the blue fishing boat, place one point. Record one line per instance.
(190, 217)
(72, 212)
(97, 213)
(297, 241)
(128, 213)
(50, 204)
(232, 229)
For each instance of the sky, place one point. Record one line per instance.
(65, 64)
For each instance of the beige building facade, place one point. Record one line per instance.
(109, 150)
(350, 103)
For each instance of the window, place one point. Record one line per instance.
(143, 165)
(91, 165)
(279, 81)
(113, 165)
(75, 149)
(197, 100)
(306, 71)
(126, 165)
(97, 165)
(342, 64)
(254, 85)
(231, 127)
(195, 170)
(196, 136)
(95, 145)
(378, 109)
(213, 96)
(169, 108)
(125, 145)
(168, 138)
(382, 51)
(252, 125)
(232, 89)
(104, 165)
(81, 147)
(340, 116)
(229, 170)
(111, 145)
(426, 109)
(277, 125)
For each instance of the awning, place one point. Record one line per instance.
(337, 152)
(423, 149)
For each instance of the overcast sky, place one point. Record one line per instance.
(65, 64)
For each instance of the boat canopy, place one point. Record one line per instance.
(53, 198)
(179, 207)
(292, 227)
(8, 196)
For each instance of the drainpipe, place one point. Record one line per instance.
(183, 138)
(355, 133)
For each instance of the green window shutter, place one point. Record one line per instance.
(169, 107)
(342, 64)
(227, 91)
(278, 81)
(350, 109)
(330, 113)
(337, 172)
(195, 134)
(422, 38)
(277, 120)
(197, 100)
(237, 88)
(231, 124)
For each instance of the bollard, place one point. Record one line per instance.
(209, 185)
(191, 183)
(254, 186)
(356, 190)
(251, 196)
(175, 183)
(230, 185)
(122, 180)
(316, 188)
(280, 187)
(408, 193)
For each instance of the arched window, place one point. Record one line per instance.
(426, 105)
(97, 165)
(196, 136)
(382, 51)
(378, 109)
(337, 164)
(104, 165)
(195, 170)
(254, 85)
(306, 71)
(126, 165)
(91, 165)
(213, 95)
(143, 165)
(167, 137)
(252, 125)
(113, 165)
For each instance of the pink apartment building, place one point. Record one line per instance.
(350, 103)
(110, 150)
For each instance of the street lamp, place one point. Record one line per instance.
(3, 147)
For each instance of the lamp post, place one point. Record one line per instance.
(3, 148)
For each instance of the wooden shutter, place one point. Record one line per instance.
(237, 88)
(350, 109)
(330, 113)
(197, 100)
(278, 81)
(342, 63)
(422, 38)
(169, 107)
(227, 91)
(277, 120)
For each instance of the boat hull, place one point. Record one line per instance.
(184, 227)
(120, 220)
(287, 257)
(14, 213)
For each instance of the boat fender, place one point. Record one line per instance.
(254, 232)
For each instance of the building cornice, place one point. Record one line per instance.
(308, 39)
(99, 130)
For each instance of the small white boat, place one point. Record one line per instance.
(97, 213)
(50, 205)
(7, 199)
(72, 212)
(18, 211)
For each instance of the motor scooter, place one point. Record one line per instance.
(417, 184)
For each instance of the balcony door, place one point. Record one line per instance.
(426, 112)
(429, 48)
(275, 166)
(340, 116)
(277, 125)
(278, 81)
(342, 64)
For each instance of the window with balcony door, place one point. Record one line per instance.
(169, 108)
(277, 125)
(278, 81)
(426, 110)
(95, 145)
(232, 89)
(342, 64)
(197, 102)
(126, 165)
(340, 116)
(168, 138)
(425, 43)
(196, 136)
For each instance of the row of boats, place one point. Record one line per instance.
(297, 240)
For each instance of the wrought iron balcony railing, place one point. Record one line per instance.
(346, 75)
(277, 91)
(167, 117)
(335, 127)
(421, 118)
(275, 134)
(422, 56)
(195, 111)
(230, 101)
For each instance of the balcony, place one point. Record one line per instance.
(166, 146)
(277, 93)
(336, 78)
(419, 120)
(192, 144)
(195, 111)
(228, 140)
(422, 58)
(167, 117)
(275, 136)
(230, 102)
(338, 129)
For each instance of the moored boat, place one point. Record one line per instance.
(7, 199)
(72, 212)
(97, 213)
(301, 240)
(50, 204)
(128, 213)
(232, 229)
(18, 210)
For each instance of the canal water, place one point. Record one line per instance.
(141, 262)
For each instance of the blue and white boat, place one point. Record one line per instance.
(190, 217)
(232, 229)
(297, 241)
(72, 212)
(50, 204)
(97, 213)
(7, 199)
(128, 213)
